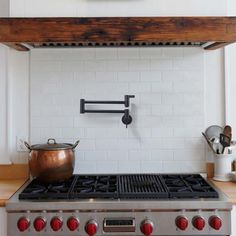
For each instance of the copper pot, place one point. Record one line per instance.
(51, 162)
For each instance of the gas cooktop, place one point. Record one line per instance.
(138, 186)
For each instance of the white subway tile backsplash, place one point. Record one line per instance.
(106, 167)
(192, 132)
(106, 53)
(150, 98)
(59, 122)
(173, 143)
(105, 77)
(162, 110)
(51, 132)
(45, 66)
(167, 111)
(139, 65)
(189, 155)
(106, 133)
(75, 66)
(95, 156)
(159, 155)
(117, 155)
(73, 133)
(162, 132)
(140, 87)
(151, 166)
(82, 77)
(129, 167)
(139, 155)
(162, 87)
(151, 53)
(94, 65)
(150, 76)
(161, 64)
(128, 53)
(86, 144)
(117, 65)
(172, 98)
(128, 76)
(173, 52)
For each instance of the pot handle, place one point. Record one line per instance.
(51, 141)
(75, 145)
(27, 145)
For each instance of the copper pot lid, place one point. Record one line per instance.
(52, 145)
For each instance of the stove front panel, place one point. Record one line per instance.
(121, 223)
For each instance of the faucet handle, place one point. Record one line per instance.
(127, 99)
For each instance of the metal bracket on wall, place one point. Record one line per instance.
(126, 118)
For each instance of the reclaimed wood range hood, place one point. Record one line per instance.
(23, 34)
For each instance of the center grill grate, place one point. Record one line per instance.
(141, 186)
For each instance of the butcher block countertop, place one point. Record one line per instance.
(8, 188)
(228, 188)
(12, 177)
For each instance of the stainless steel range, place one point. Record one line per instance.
(120, 205)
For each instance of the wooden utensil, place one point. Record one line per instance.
(228, 131)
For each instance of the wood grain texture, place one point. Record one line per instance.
(8, 188)
(12, 172)
(229, 188)
(210, 170)
(114, 29)
(217, 45)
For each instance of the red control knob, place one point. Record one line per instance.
(146, 227)
(199, 223)
(72, 223)
(91, 227)
(56, 223)
(39, 224)
(215, 222)
(181, 222)
(23, 224)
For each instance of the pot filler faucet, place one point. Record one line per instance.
(126, 118)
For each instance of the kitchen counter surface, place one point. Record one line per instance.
(8, 188)
(228, 188)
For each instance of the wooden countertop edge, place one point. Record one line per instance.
(228, 188)
(9, 188)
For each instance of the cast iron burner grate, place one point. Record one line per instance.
(188, 186)
(140, 186)
(39, 190)
(95, 186)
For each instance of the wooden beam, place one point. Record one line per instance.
(117, 29)
(17, 46)
(197, 29)
(216, 45)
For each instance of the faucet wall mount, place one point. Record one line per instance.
(126, 118)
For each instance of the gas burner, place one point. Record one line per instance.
(38, 190)
(188, 186)
(95, 187)
(140, 186)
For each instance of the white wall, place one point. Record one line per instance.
(4, 8)
(3, 106)
(117, 7)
